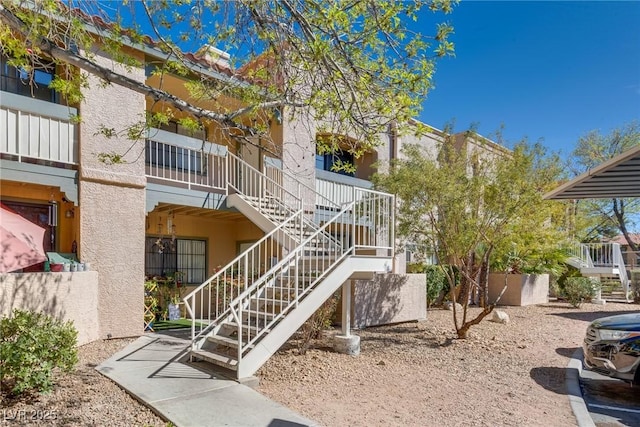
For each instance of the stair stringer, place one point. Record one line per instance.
(253, 214)
(260, 220)
(294, 319)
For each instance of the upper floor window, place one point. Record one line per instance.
(175, 127)
(327, 161)
(34, 83)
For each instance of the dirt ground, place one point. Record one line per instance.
(412, 374)
(418, 374)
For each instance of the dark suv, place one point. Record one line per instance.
(612, 347)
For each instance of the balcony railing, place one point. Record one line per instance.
(35, 130)
(338, 188)
(182, 160)
(331, 189)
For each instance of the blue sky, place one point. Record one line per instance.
(549, 71)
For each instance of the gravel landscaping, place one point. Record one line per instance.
(412, 374)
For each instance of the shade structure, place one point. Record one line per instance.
(615, 178)
(20, 242)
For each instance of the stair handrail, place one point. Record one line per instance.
(238, 304)
(587, 255)
(618, 260)
(300, 184)
(190, 299)
(280, 200)
(263, 179)
(311, 224)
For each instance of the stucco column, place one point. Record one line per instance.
(112, 202)
(299, 155)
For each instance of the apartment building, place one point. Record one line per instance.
(261, 235)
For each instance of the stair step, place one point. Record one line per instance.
(217, 359)
(260, 314)
(279, 293)
(225, 341)
(232, 327)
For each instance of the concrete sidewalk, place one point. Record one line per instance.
(151, 369)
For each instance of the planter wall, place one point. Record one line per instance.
(522, 289)
(388, 298)
(66, 296)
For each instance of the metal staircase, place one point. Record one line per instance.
(243, 313)
(605, 262)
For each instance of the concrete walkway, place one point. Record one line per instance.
(153, 371)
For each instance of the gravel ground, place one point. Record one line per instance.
(82, 398)
(412, 374)
(418, 374)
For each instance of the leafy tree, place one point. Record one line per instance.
(606, 218)
(475, 203)
(349, 68)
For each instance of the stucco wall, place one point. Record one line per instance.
(223, 236)
(389, 298)
(66, 296)
(299, 153)
(522, 289)
(112, 202)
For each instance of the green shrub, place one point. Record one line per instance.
(578, 289)
(32, 345)
(436, 283)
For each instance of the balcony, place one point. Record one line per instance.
(35, 131)
(181, 161)
(338, 188)
(331, 189)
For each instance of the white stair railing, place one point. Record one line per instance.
(366, 225)
(278, 175)
(208, 304)
(605, 255)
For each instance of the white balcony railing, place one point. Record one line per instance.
(338, 188)
(186, 161)
(331, 189)
(37, 130)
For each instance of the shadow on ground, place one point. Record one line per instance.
(566, 352)
(551, 378)
(613, 400)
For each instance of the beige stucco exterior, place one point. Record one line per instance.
(112, 200)
(114, 212)
(65, 296)
(522, 289)
(389, 298)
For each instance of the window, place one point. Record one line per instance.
(326, 161)
(175, 127)
(164, 256)
(18, 80)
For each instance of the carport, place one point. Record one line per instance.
(618, 177)
(615, 178)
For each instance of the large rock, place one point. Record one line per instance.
(500, 316)
(449, 306)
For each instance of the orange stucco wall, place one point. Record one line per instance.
(223, 236)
